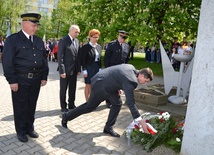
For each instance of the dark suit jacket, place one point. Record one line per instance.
(88, 55)
(21, 56)
(68, 56)
(118, 77)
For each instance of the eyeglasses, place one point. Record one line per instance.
(95, 37)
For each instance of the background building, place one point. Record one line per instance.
(41, 6)
(44, 7)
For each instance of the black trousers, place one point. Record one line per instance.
(24, 103)
(98, 94)
(68, 83)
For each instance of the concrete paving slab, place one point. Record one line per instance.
(83, 136)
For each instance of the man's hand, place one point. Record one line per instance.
(63, 75)
(14, 87)
(43, 82)
(144, 126)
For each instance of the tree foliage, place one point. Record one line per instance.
(147, 21)
(10, 11)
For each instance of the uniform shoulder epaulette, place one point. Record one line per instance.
(112, 42)
(126, 43)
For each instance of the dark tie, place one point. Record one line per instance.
(74, 42)
(121, 46)
(30, 38)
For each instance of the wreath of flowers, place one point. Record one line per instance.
(164, 130)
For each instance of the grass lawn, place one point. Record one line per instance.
(140, 62)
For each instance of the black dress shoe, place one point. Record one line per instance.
(111, 132)
(22, 137)
(33, 134)
(72, 107)
(64, 110)
(64, 120)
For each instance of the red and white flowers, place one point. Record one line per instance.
(163, 129)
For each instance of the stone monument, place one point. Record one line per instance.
(198, 136)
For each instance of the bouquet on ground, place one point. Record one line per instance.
(164, 130)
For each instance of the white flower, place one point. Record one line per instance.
(160, 117)
(166, 115)
(141, 130)
(178, 139)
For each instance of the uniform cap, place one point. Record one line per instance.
(123, 34)
(33, 17)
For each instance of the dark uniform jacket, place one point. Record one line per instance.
(68, 56)
(21, 57)
(88, 55)
(115, 54)
(119, 77)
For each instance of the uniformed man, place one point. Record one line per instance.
(25, 68)
(117, 53)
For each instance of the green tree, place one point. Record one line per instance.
(11, 11)
(147, 20)
(45, 27)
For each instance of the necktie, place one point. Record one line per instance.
(74, 42)
(121, 46)
(30, 38)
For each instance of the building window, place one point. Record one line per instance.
(40, 9)
(55, 2)
(43, 1)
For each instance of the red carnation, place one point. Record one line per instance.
(147, 121)
(174, 130)
(136, 127)
(161, 120)
(181, 124)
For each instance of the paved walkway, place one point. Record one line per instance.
(83, 136)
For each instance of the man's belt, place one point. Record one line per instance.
(30, 75)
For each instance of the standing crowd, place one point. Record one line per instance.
(152, 54)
